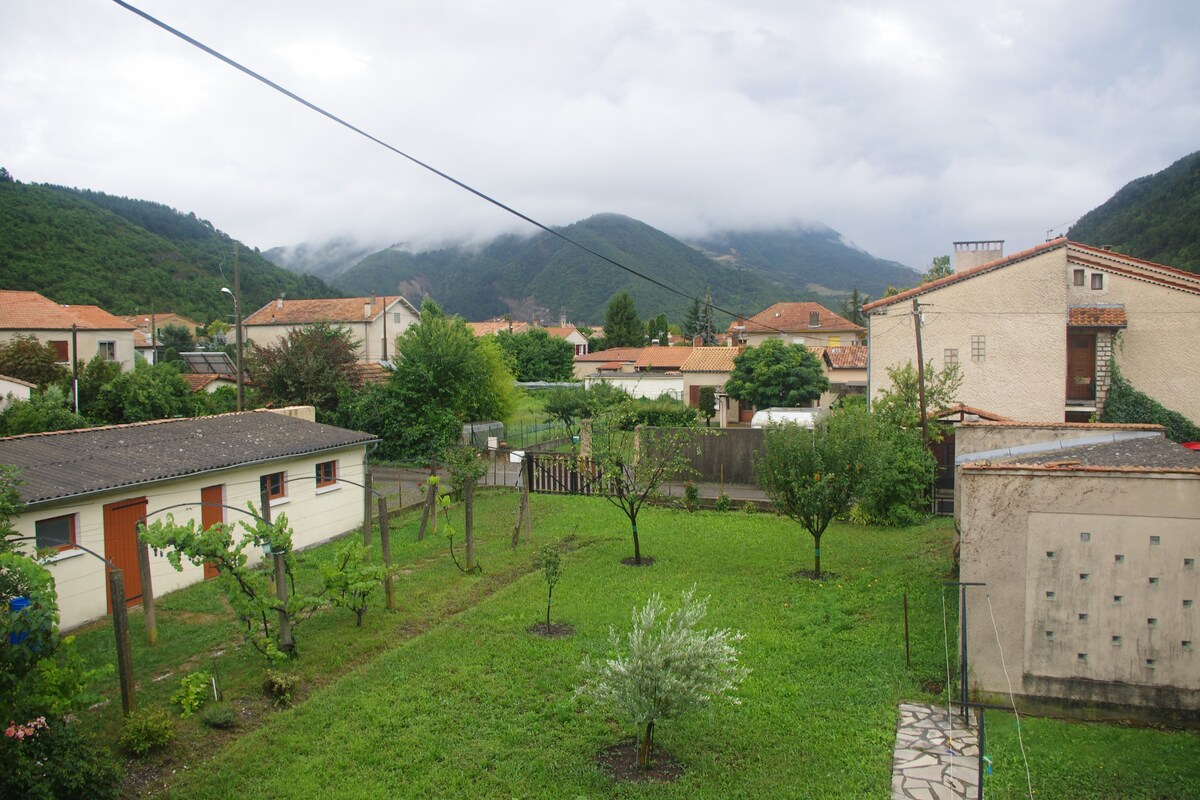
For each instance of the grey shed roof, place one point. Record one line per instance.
(1146, 453)
(66, 464)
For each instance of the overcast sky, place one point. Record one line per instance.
(905, 126)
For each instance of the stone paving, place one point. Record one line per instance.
(927, 764)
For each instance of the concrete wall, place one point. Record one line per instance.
(810, 338)
(12, 389)
(1056, 548)
(643, 384)
(316, 515)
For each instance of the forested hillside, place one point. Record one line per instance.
(544, 275)
(1156, 218)
(79, 246)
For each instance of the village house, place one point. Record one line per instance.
(560, 331)
(13, 389)
(373, 322)
(1034, 334)
(650, 372)
(148, 336)
(76, 332)
(86, 490)
(809, 324)
(1079, 545)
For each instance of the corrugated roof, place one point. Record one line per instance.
(66, 464)
(31, 311)
(342, 309)
(710, 359)
(1112, 316)
(794, 318)
(662, 357)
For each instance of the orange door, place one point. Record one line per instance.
(211, 498)
(120, 544)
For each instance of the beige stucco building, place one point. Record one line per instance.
(1086, 538)
(1033, 334)
(374, 322)
(809, 324)
(76, 332)
(87, 490)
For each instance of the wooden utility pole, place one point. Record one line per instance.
(237, 320)
(75, 366)
(920, 369)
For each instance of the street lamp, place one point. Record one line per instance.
(237, 316)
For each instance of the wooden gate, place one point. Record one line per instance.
(121, 545)
(560, 473)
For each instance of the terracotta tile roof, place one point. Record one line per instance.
(962, 408)
(1099, 426)
(82, 462)
(847, 357)
(613, 354)
(662, 357)
(560, 331)
(372, 372)
(1097, 316)
(710, 359)
(162, 320)
(611, 365)
(342, 309)
(196, 381)
(794, 318)
(31, 311)
(496, 326)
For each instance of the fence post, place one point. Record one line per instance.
(367, 506)
(116, 593)
(385, 542)
(286, 645)
(151, 618)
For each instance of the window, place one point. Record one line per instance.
(950, 356)
(835, 341)
(61, 350)
(581, 349)
(814, 319)
(274, 485)
(107, 351)
(978, 348)
(397, 317)
(1078, 277)
(1097, 280)
(326, 474)
(57, 532)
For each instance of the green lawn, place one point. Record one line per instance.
(450, 696)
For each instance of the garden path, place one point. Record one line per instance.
(928, 764)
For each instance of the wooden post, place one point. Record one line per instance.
(527, 518)
(469, 521)
(907, 657)
(286, 644)
(367, 506)
(116, 593)
(385, 542)
(143, 553)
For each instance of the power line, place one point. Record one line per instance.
(462, 185)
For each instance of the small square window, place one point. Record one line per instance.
(1116, 640)
(1155, 540)
(1085, 537)
(326, 474)
(1049, 595)
(950, 356)
(274, 484)
(814, 319)
(1189, 563)
(397, 317)
(1187, 644)
(107, 351)
(1049, 554)
(62, 350)
(1083, 576)
(1077, 277)
(1081, 658)
(1119, 558)
(1082, 617)
(57, 533)
(1097, 280)
(1187, 603)
(978, 348)
(1154, 581)
(1118, 599)
(1049, 634)
(1151, 663)
(1152, 622)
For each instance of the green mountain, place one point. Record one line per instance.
(80, 246)
(544, 276)
(1156, 218)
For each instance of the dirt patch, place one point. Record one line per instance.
(809, 575)
(621, 761)
(557, 630)
(932, 686)
(647, 561)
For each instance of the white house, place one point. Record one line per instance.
(374, 322)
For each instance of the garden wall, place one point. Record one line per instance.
(724, 454)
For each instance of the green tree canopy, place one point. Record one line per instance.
(622, 328)
(940, 268)
(777, 375)
(44, 411)
(148, 392)
(537, 355)
(25, 358)
(308, 367)
(658, 328)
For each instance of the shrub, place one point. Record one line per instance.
(219, 715)
(1127, 404)
(352, 578)
(691, 496)
(723, 503)
(146, 731)
(750, 507)
(549, 561)
(664, 667)
(60, 762)
(279, 686)
(193, 692)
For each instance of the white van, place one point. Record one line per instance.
(804, 417)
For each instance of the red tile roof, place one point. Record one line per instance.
(1097, 316)
(342, 309)
(613, 354)
(847, 357)
(162, 320)
(496, 326)
(560, 331)
(662, 357)
(21, 310)
(710, 359)
(369, 372)
(197, 381)
(794, 318)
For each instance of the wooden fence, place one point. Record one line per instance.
(560, 473)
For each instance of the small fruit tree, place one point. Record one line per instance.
(664, 667)
(549, 561)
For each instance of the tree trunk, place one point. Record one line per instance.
(817, 556)
(549, 595)
(637, 550)
(644, 750)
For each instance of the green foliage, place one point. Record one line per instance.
(220, 401)
(352, 578)
(1152, 218)
(194, 690)
(25, 358)
(899, 405)
(310, 366)
(46, 411)
(749, 507)
(691, 496)
(706, 328)
(248, 590)
(940, 268)
(549, 561)
(280, 686)
(658, 328)
(706, 401)
(77, 246)
(852, 307)
(622, 328)
(149, 392)
(10, 506)
(897, 491)
(537, 355)
(776, 375)
(663, 412)
(58, 762)
(1127, 404)
(409, 425)
(722, 503)
(812, 475)
(93, 376)
(690, 326)
(221, 716)
(146, 731)
(664, 668)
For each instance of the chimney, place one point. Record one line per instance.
(279, 303)
(968, 255)
(367, 309)
(697, 341)
(562, 320)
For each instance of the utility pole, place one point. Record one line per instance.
(237, 314)
(75, 366)
(920, 369)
